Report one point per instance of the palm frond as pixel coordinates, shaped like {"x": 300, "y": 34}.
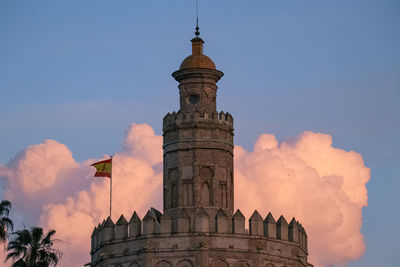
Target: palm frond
{"x": 37, "y": 234}
{"x": 5, "y": 207}
{"x": 6, "y": 224}
{"x": 33, "y": 248}
{"x": 19, "y": 263}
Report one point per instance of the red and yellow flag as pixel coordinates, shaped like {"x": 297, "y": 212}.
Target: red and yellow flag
{"x": 103, "y": 168}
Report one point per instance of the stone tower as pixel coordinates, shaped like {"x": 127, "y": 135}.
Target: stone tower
{"x": 198, "y": 142}
{"x": 198, "y": 226}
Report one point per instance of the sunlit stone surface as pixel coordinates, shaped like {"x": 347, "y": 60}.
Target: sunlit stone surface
{"x": 198, "y": 226}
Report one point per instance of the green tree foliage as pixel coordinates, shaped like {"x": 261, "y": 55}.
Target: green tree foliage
{"x": 31, "y": 248}
{"x": 6, "y": 225}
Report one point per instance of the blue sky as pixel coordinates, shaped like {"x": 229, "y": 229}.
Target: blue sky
{"x": 80, "y": 72}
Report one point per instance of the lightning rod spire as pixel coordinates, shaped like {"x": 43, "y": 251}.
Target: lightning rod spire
{"x": 197, "y": 33}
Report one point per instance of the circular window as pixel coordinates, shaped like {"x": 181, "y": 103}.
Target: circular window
{"x": 194, "y": 99}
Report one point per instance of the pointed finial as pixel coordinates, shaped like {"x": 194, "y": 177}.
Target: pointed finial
{"x": 197, "y": 33}
{"x": 197, "y": 28}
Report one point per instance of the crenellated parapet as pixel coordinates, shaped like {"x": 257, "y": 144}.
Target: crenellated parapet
{"x": 175, "y": 120}
{"x": 265, "y": 234}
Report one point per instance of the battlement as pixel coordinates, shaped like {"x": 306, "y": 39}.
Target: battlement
{"x": 180, "y": 118}
{"x": 154, "y": 225}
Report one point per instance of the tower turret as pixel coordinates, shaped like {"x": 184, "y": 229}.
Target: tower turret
{"x": 198, "y": 141}
{"x": 197, "y": 77}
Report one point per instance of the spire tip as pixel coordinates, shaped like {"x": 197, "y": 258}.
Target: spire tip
{"x": 197, "y": 32}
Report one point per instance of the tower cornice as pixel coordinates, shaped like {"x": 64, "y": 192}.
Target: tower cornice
{"x": 188, "y": 74}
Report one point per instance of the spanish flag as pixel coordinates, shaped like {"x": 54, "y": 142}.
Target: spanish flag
{"x": 103, "y": 168}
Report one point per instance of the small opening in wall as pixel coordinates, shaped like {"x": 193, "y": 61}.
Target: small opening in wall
{"x": 194, "y": 99}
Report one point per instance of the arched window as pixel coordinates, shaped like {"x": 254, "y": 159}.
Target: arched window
{"x": 206, "y": 173}
{"x": 241, "y": 264}
{"x": 219, "y": 263}
{"x": 205, "y": 194}
{"x": 187, "y": 194}
{"x": 184, "y": 263}
{"x": 163, "y": 264}
{"x": 222, "y": 188}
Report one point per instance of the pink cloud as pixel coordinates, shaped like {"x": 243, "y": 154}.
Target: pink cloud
{"x": 39, "y": 166}
{"x": 322, "y": 186}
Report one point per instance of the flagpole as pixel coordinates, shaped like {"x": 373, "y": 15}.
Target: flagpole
{"x": 104, "y": 169}
{"x": 111, "y": 187}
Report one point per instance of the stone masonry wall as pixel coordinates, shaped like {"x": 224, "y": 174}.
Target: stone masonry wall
{"x": 198, "y": 160}
{"x": 173, "y": 239}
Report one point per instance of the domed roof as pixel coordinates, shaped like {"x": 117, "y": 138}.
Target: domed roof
{"x": 197, "y": 59}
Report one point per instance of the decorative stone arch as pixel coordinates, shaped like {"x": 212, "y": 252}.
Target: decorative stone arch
{"x": 219, "y": 263}
{"x": 163, "y": 263}
{"x": 223, "y": 194}
{"x": 170, "y": 189}
{"x": 206, "y": 173}
{"x": 205, "y": 197}
{"x": 173, "y": 175}
{"x": 206, "y": 176}
{"x": 241, "y": 264}
{"x": 184, "y": 263}
{"x": 187, "y": 194}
